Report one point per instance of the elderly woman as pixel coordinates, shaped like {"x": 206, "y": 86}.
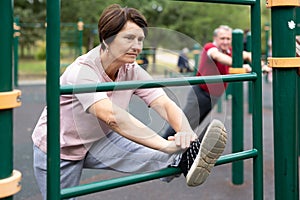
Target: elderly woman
{"x": 96, "y": 130}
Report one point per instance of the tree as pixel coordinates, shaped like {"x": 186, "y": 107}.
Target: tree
{"x": 196, "y": 20}
{"x": 30, "y": 13}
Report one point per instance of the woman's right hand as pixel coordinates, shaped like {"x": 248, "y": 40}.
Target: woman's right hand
{"x": 180, "y": 141}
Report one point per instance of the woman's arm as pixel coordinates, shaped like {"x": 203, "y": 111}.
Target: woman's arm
{"x": 122, "y": 122}
{"x": 168, "y": 110}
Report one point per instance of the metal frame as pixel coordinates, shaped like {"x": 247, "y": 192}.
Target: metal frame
{"x": 53, "y": 106}
{"x": 54, "y": 90}
{"x": 9, "y": 178}
{"x": 285, "y": 98}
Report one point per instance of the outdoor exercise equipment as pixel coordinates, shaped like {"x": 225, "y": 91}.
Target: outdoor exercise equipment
{"x": 285, "y": 103}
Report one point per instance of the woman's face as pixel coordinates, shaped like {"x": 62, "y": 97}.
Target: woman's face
{"x": 128, "y": 43}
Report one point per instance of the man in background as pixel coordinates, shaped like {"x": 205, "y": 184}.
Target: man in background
{"x": 216, "y": 59}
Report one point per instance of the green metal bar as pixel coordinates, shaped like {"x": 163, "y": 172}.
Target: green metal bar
{"x": 298, "y": 93}
{"x": 196, "y": 53}
{"x": 298, "y": 112}
{"x": 63, "y": 24}
{"x": 237, "y": 108}
{"x": 267, "y": 33}
{"x": 6, "y": 115}
{"x": 71, "y": 89}
{"x": 239, "y": 2}
{"x": 80, "y": 27}
{"x": 16, "y": 53}
{"x": 219, "y": 104}
{"x": 117, "y": 182}
{"x": 66, "y": 24}
{"x": 250, "y": 91}
{"x": 242, "y": 155}
{"x": 53, "y": 109}
{"x": 138, "y": 178}
{"x": 258, "y": 183}
{"x": 228, "y": 92}
{"x": 284, "y": 103}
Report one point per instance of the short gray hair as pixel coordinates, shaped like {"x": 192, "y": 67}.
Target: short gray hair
{"x": 222, "y": 27}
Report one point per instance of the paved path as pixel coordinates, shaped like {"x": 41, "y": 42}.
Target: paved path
{"x": 217, "y": 187}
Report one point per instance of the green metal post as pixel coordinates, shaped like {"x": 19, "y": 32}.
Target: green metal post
{"x": 250, "y": 91}
{"x": 196, "y": 53}
{"x": 267, "y": 33}
{"x": 237, "y": 107}
{"x": 298, "y": 112}
{"x": 298, "y": 95}
{"x": 80, "y": 27}
{"x": 52, "y": 89}
{"x": 228, "y": 91}
{"x": 219, "y": 104}
{"x": 16, "y": 48}
{"x": 6, "y": 115}
{"x": 257, "y": 121}
{"x": 284, "y": 104}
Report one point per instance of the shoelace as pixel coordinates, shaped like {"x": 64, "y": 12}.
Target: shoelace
{"x": 194, "y": 149}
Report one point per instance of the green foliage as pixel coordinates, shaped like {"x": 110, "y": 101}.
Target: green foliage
{"x": 33, "y": 14}
{"x": 41, "y": 51}
{"x": 195, "y": 20}
{"x": 198, "y": 20}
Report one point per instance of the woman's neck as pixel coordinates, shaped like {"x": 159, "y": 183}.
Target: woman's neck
{"x": 111, "y": 66}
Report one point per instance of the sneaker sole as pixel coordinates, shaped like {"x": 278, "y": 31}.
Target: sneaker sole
{"x": 211, "y": 148}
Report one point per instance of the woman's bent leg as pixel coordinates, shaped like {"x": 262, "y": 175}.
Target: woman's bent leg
{"x": 70, "y": 171}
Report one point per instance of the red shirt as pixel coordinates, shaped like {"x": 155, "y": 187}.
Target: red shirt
{"x": 208, "y": 67}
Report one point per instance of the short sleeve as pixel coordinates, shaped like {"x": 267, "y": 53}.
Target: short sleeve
{"x": 148, "y": 95}
{"x": 81, "y": 75}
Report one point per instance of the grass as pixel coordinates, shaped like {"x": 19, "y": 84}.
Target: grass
{"x": 35, "y": 69}
{"x": 27, "y": 66}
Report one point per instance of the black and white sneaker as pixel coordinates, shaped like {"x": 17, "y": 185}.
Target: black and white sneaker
{"x": 198, "y": 160}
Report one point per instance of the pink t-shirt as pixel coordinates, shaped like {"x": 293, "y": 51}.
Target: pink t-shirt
{"x": 80, "y": 129}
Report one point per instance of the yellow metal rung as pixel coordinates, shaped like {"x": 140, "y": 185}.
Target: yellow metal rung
{"x": 284, "y": 62}
{"x": 237, "y": 70}
{"x": 11, "y": 185}
{"x": 272, "y": 3}
{"x": 10, "y": 99}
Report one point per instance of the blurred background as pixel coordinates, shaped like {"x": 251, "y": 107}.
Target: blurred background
{"x": 186, "y": 24}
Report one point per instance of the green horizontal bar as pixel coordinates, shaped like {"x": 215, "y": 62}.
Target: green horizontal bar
{"x": 138, "y": 178}
{"x": 117, "y": 182}
{"x": 109, "y": 86}
{"x": 239, "y": 2}
{"x": 237, "y": 156}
